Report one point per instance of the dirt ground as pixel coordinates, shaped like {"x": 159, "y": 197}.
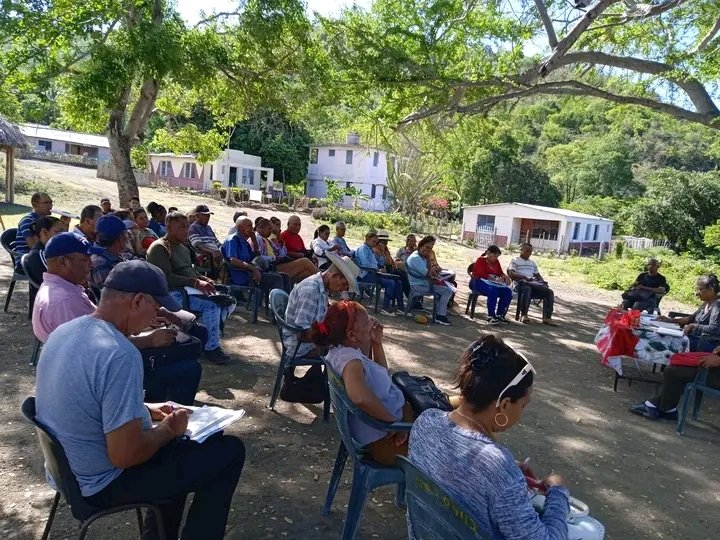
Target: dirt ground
{"x": 638, "y": 477}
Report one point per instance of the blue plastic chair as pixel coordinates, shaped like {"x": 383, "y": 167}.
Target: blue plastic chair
{"x": 432, "y": 513}
{"x": 367, "y": 474}
{"x": 415, "y": 295}
{"x": 278, "y": 305}
{"x": 696, "y": 390}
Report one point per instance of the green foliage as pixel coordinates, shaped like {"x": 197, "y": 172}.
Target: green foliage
{"x": 357, "y": 195}
{"x": 711, "y": 236}
{"x": 207, "y": 146}
{"x": 334, "y": 193}
{"x": 391, "y": 221}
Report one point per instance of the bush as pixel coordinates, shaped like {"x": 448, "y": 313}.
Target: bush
{"x": 619, "y": 248}
{"x": 320, "y": 214}
{"x": 391, "y": 221}
{"x": 216, "y": 185}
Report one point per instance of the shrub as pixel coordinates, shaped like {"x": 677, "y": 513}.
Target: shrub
{"x": 216, "y": 185}
{"x": 619, "y": 248}
{"x": 371, "y": 220}
{"x": 320, "y": 214}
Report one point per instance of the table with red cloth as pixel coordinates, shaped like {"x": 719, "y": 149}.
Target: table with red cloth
{"x": 622, "y": 335}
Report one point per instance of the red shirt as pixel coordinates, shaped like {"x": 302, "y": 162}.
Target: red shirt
{"x": 293, "y": 242}
{"x": 483, "y": 268}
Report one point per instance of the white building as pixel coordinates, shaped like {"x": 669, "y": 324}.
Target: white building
{"x": 232, "y": 168}
{"x": 350, "y": 165}
{"x": 45, "y": 139}
{"x": 545, "y": 228}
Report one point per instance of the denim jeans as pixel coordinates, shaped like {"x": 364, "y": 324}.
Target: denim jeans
{"x": 210, "y": 315}
{"x": 498, "y": 296}
{"x": 210, "y": 470}
{"x": 393, "y": 290}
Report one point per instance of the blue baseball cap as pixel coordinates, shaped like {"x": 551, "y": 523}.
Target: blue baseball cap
{"x": 110, "y": 227}
{"x": 66, "y": 243}
{"x": 138, "y": 276}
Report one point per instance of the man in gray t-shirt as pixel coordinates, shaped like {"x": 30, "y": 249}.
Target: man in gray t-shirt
{"x": 90, "y": 396}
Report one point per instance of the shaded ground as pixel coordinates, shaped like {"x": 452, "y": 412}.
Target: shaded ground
{"x": 639, "y": 478}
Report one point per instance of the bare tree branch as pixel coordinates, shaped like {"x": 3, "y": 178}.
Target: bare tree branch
{"x": 705, "y": 41}
{"x": 215, "y": 16}
{"x": 547, "y": 23}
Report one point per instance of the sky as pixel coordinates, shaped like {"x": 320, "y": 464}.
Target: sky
{"x": 190, "y": 9}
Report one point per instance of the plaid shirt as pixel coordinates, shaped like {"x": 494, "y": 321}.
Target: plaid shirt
{"x": 101, "y": 265}
{"x": 308, "y": 303}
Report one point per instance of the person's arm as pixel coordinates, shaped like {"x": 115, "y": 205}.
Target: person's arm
{"x": 231, "y": 251}
{"x": 480, "y": 269}
{"x": 502, "y": 275}
{"x": 516, "y": 518}
{"x": 160, "y": 337}
{"x": 160, "y": 257}
{"x": 417, "y": 266}
{"x": 361, "y": 395}
{"x": 512, "y": 272}
{"x": 365, "y": 257}
{"x": 130, "y": 445}
{"x": 712, "y": 327}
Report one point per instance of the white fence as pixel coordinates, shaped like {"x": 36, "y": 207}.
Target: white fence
{"x": 636, "y": 242}
{"x": 109, "y": 172}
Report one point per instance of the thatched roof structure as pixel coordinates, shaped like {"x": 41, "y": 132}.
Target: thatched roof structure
{"x": 10, "y": 139}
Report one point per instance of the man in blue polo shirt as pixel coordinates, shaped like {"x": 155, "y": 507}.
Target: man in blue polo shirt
{"x": 42, "y": 206}
{"x": 238, "y": 254}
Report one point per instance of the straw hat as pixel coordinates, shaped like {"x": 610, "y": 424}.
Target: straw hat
{"x": 382, "y": 234}
{"x": 349, "y": 269}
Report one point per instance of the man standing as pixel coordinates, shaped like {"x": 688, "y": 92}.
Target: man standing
{"x": 41, "y": 206}
{"x": 202, "y": 238}
{"x": 530, "y": 285}
{"x": 292, "y": 239}
{"x": 86, "y": 228}
{"x": 339, "y": 240}
{"x": 93, "y": 403}
{"x": 106, "y": 206}
{"x": 170, "y": 254}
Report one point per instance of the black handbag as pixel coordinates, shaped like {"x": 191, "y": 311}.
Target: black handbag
{"x": 421, "y": 392}
{"x": 156, "y": 357}
{"x": 310, "y": 388}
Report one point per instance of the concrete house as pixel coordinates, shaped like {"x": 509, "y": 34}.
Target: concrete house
{"x": 44, "y": 139}
{"x": 545, "y": 228}
{"x": 232, "y": 168}
{"x": 350, "y": 165}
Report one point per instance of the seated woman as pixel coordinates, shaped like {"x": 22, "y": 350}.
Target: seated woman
{"x": 320, "y": 246}
{"x": 420, "y": 273}
{"x": 271, "y": 245}
{"x": 143, "y": 236}
{"x": 488, "y": 279}
{"x": 366, "y": 259}
{"x": 459, "y": 450}
{"x": 158, "y": 213}
{"x": 703, "y": 326}
{"x": 44, "y": 229}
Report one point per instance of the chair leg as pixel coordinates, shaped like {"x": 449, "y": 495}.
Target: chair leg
{"x": 159, "y": 523}
{"x": 326, "y": 403}
{"x": 378, "y": 290}
{"x": 400, "y": 495}
{"x": 683, "y": 408}
{"x": 35, "y": 353}
{"x": 358, "y": 494}
{"x": 697, "y": 403}
{"x": 340, "y": 460}
{"x": 138, "y": 511}
{"x": 51, "y": 517}
{"x": 9, "y": 294}
{"x": 615, "y": 383}
{"x": 278, "y": 383}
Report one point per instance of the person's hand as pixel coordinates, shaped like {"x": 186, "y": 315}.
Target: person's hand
{"x": 710, "y": 361}
{"x": 716, "y": 350}
{"x": 401, "y": 438}
{"x": 256, "y": 275}
{"x": 506, "y": 280}
{"x": 205, "y": 287}
{"x": 376, "y": 331}
{"x": 553, "y": 479}
{"x": 524, "y": 466}
{"x": 334, "y": 248}
{"x": 688, "y": 328}
{"x": 217, "y": 256}
{"x": 158, "y": 411}
{"x": 177, "y": 422}
{"x": 159, "y": 322}
{"x": 162, "y": 337}
{"x": 169, "y": 317}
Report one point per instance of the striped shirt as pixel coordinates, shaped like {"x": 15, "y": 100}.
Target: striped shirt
{"x": 24, "y": 231}
{"x": 523, "y": 267}
{"x": 199, "y": 235}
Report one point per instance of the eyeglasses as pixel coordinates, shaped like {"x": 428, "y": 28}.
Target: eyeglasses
{"x": 519, "y": 377}
{"x": 45, "y": 202}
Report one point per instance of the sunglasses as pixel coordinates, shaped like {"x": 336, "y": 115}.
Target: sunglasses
{"x": 519, "y": 377}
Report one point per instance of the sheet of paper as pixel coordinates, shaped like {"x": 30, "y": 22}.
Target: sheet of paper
{"x": 666, "y": 325}
{"x": 674, "y": 332}
{"x": 207, "y": 420}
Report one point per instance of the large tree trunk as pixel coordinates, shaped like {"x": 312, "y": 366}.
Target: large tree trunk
{"x": 120, "y": 152}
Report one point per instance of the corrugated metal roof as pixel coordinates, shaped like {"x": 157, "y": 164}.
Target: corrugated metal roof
{"x": 73, "y": 137}
{"x": 559, "y": 211}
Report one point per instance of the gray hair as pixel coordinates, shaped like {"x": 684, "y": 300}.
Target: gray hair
{"x": 240, "y": 219}
{"x": 340, "y": 225}
{"x": 109, "y": 295}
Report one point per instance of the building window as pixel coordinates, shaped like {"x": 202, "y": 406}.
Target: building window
{"x": 348, "y": 157}
{"x": 588, "y": 231}
{"x": 596, "y": 233}
{"x": 576, "y": 232}
{"x": 222, "y": 170}
{"x": 211, "y": 172}
{"x": 188, "y": 170}
{"x": 384, "y": 195}
{"x": 313, "y": 155}
{"x": 165, "y": 168}
{"x": 46, "y": 145}
{"x": 348, "y": 185}
{"x": 485, "y": 221}
{"x": 372, "y": 191}
{"x": 331, "y": 153}
{"x": 376, "y": 158}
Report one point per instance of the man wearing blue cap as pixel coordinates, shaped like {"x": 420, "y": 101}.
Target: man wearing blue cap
{"x": 110, "y": 236}
{"x": 93, "y": 403}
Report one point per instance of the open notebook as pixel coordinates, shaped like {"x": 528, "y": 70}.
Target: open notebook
{"x": 206, "y": 420}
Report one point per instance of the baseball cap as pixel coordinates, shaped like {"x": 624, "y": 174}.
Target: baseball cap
{"x": 203, "y": 209}
{"x": 104, "y": 199}
{"x": 138, "y": 276}
{"x": 66, "y": 243}
{"x": 109, "y": 228}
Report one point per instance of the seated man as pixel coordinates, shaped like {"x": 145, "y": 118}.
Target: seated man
{"x": 111, "y": 239}
{"x": 43, "y": 229}
{"x": 664, "y": 403}
{"x": 647, "y": 290}
{"x": 170, "y": 254}
{"x": 202, "y": 238}
{"x": 106, "y": 206}
{"x": 308, "y": 303}
{"x": 293, "y": 241}
{"x": 366, "y": 258}
{"x": 61, "y": 298}
{"x": 41, "y": 206}
{"x": 93, "y": 403}
{"x": 270, "y": 244}
{"x": 339, "y": 240}
{"x": 86, "y": 228}
{"x": 529, "y": 285}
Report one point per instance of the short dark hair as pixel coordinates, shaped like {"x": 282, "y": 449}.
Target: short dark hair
{"x": 37, "y": 196}
{"x": 172, "y": 209}
{"x": 107, "y": 242}
{"x": 369, "y": 235}
{"x": 526, "y": 244}
{"x": 44, "y": 223}
{"x": 123, "y": 214}
{"x": 173, "y": 217}
{"x": 275, "y": 220}
{"x": 137, "y": 212}
{"x": 89, "y": 212}
{"x": 493, "y": 249}
{"x": 135, "y": 198}
{"x": 426, "y": 240}
{"x": 320, "y": 230}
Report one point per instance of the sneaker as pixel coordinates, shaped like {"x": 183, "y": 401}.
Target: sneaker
{"x": 526, "y": 319}
{"x": 503, "y": 319}
{"x": 388, "y": 312}
{"x": 493, "y": 320}
{"x": 217, "y": 356}
{"x": 653, "y": 413}
{"x": 442, "y": 319}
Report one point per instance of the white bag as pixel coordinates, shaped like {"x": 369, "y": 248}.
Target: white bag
{"x": 579, "y": 523}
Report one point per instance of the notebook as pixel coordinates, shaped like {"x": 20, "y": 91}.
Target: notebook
{"x": 207, "y": 420}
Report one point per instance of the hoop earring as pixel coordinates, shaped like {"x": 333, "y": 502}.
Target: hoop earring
{"x": 498, "y": 424}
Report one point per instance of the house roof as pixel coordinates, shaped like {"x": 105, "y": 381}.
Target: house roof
{"x": 10, "y": 135}
{"x": 46, "y": 132}
{"x": 549, "y": 210}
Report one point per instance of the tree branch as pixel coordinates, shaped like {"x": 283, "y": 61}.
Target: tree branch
{"x": 547, "y": 23}
{"x": 146, "y": 99}
{"x": 705, "y": 41}
{"x": 216, "y": 16}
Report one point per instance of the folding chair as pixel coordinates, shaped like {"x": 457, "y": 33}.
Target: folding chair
{"x": 278, "y": 306}
{"x": 6, "y": 239}
{"x": 57, "y": 465}
{"x": 432, "y": 513}
{"x": 367, "y": 474}
{"x": 472, "y": 296}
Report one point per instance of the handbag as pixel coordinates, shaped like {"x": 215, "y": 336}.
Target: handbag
{"x": 156, "y": 357}
{"x": 310, "y": 388}
{"x": 421, "y": 392}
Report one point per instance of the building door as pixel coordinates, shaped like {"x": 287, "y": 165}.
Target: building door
{"x": 232, "y": 181}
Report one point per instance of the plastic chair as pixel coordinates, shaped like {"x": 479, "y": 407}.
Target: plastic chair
{"x": 472, "y": 296}
{"x": 278, "y": 305}
{"x": 375, "y": 286}
{"x": 534, "y": 301}
{"x": 414, "y": 295}
{"x": 367, "y": 474}
{"x": 432, "y": 513}
{"x": 6, "y": 239}
{"x": 696, "y": 390}
{"x": 57, "y": 465}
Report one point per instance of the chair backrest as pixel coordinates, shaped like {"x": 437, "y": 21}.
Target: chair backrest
{"x": 57, "y": 465}
{"x": 7, "y": 238}
{"x": 432, "y": 513}
{"x": 278, "y": 304}
{"x": 23, "y": 263}
{"x": 343, "y": 409}
{"x": 470, "y": 268}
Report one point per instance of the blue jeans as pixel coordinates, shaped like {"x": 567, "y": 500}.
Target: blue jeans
{"x": 498, "y": 296}
{"x": 393, "y": 290}
{"x": 210, "y": 315}
{"x": 707, "y": 346}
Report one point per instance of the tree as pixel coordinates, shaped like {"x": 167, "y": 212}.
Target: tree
{"x": 463, "y": 57}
